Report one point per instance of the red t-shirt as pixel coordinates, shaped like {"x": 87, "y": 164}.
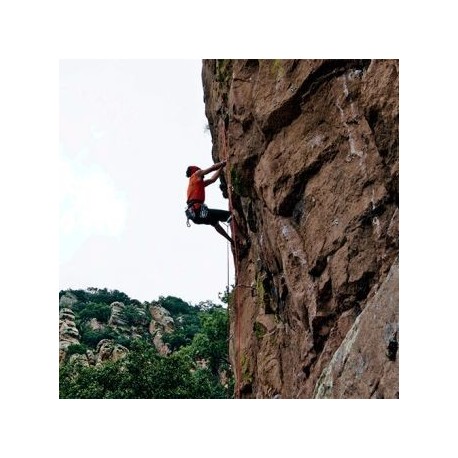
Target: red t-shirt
{"x": 196, "y": 188}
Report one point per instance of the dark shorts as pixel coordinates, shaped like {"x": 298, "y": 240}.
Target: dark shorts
{"x": 214, "y": 216}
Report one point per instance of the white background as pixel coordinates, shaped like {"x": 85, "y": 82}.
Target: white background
{"x": 34, "y": 36}
{"x": 128, "y": 131}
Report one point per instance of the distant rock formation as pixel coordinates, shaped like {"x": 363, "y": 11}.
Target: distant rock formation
{"x": 313, "y": 173}
{"x": 68, "y": 332}
{"x": 159, "y": 322}
{"x": 107, "y": 350}
{"x": 116, "y": 315}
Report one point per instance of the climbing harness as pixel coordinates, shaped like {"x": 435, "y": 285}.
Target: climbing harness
{"x": 190, "y": 214}
{"x": 203, "y": 211}
{"x": 190, "y": 211}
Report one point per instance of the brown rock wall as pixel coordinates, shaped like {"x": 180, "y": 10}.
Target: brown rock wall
{"x": 362, "y": 367}
{"x": 313, "y": 169}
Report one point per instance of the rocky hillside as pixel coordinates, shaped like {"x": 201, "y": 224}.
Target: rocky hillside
{"x": 312, "y": 177}
{"x": 111, "y": 346}
{"x": 103, "y": 328}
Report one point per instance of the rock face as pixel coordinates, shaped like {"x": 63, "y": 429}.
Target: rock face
{"x": 116, "y": 312}
{"x": 312, "y": 178}
{"x": 362, "y": 367}
{"x": 161, "y": 319}
{"x": 67, "y": 300}
{"x": 107, "y": 350}
{"x": 68, "y": 332}
{"x": 158, "y": 323}
{"x": 161, "y": 323}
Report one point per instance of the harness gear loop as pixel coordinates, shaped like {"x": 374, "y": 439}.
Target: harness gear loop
{"x": 190, "y": 214}
{"x": 191, "y": 210}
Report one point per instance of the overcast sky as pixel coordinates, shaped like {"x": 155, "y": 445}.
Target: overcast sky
{"x": 128, "y": 130}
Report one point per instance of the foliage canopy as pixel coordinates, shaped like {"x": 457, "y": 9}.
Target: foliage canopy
{"x": 194, "y": 369}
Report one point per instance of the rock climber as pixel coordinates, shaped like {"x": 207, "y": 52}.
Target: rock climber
{"x": 197, "y": 211}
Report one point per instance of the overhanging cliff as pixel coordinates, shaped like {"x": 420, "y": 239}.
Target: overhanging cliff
{"x": 312, "y": 175}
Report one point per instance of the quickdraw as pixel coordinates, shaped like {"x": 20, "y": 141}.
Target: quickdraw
{"x": 190, "y": 214}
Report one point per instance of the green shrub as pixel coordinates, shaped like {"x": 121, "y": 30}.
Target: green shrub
{"x": 76, "y": 349}
{"x": 143, "y": 374}
{"x": 123, "y": 340}
{"x": 174, "y": 305}
{"x": 259, "y": 330}
{"x": 201, "y": 332}
{"x": 238, "y": 184}
{"x": 277, "y": 68}
{"x": 133, "y": 316}
{"x": 91, "y": 337}
{"x": 99, "y": 311}
{"x": 223, "y": 70}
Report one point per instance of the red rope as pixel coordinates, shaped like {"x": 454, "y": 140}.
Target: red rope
{"x": 236, "y": 302}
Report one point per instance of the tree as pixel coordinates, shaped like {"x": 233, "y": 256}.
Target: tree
{"x": 174, "y": 305}
{"x": 91, "y": 337}
{"x": 199, "y": 351}
{"x": 101, "y": 312}
{"x": 186, "y": 327}
{"x": 143, "y": 374}
{"x": 133, "y": 316}
{"x": 212, "y": 342}
{"x": 77, "y": 349}
{"x": 100, "y": 382}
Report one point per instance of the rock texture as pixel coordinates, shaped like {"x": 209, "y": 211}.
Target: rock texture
{"x": 107, "y": 350}
{"x": 161, "y": 319}
{"x": 161, "y": 323}
{"x": 158, "y": 323}
{"x": 312, "y": 176}
{"x": 68, "y": 332}
{"x": 362, "y": 367}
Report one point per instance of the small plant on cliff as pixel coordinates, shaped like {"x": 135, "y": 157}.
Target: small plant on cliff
{"x": 260, "y": 290}
{"x": 247, "y": 377}
{"x": 259, "y": 330}
{"x": 223, "y": 70}
{"x": 226, "y": 297}
{"x": 277, "y": 68}
{"x": 240, "y": 188}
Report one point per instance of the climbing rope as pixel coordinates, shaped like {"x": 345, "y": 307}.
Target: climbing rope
{"x": 227, "y": 261}
{"x": 234, "y": 233}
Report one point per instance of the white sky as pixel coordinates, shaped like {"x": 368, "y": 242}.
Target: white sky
{"x": 128, "y": 130}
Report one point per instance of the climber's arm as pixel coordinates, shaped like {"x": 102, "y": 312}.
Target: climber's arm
{"x": 214, "y": 177}
{"x": 212, "y": 168}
